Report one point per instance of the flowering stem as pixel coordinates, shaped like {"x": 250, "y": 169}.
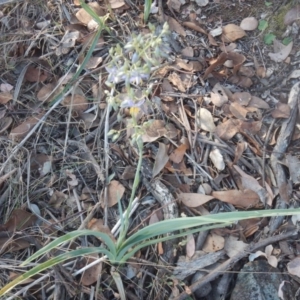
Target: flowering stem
{"x": 125, "y": 227}
{"x": 106, "y": 149}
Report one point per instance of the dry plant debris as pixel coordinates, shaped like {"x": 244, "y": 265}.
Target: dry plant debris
{"x": 219, "y": 120}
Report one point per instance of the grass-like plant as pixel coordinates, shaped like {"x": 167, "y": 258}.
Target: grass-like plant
{"x": 147, "y": 9}
{"x": 120, "y": 252}
{"x": 132, "y": 65}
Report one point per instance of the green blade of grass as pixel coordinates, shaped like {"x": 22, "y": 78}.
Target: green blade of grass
{"x": 123, "y": 255}
{"x": 147, "y": 8}
{"x": 50, "y": 263}
{"x": 70, "y": 236}
{"x": 167, "y": 226}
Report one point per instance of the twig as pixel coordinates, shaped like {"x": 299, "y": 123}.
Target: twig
{"x": 106, "y": 152}
{"x": 264, "y": 153}
{"x": 279, "y": 150}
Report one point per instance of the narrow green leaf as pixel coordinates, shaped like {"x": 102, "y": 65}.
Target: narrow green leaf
{"x": 122, "y": 256}
{"x": 119, "y": 282}
{"x": 52, "y": 262}
{"x": 167, "y": 226}
{"x": 147, "y": 9}
{"x": 70, "y": 236}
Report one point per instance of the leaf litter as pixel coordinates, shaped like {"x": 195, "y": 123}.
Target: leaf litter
{"x": 219, "y": 82}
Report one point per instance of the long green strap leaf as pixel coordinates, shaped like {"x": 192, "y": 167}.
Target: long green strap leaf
{"x": 123, "y": 255}
{"x": 167, "y": 226}
{"x": 50, "y": 263}
{"x": 71, "y": 236}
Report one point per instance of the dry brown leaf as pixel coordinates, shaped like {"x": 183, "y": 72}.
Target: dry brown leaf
{"x": 237, "y": 60}
{"x": 116, "y": 3}
{"x": 232, "y": 32}
{"x": 213, "y": 243}
{"x": 218, "y": 99}
{"x": 247, "y": 71}
{"x": 190, "y": 246}
{"x": 68, "y": 41}
{"x": 115, "y": 191}
{"x": 233, "y": 246}
{"x": 6, "y": 87}
{"x": 218, "y": 95}
{"x": 282, "y": 110}
{"x": 98, "y": 225}
{"x": 272, "y": 260}
{"x": 174, "y": 4}
{"x": 5, "y": 123}
{"x": 78, "y": 104}
{"x": 217, "y": 159}
{"x": 177, "y": 155}
{"x": 219, "y": 61}
{"x": 211, "y": 40}
{"x": 156, "y": 129}
{"x": 282, "y": 53}
{"x": 242, "y": 199}
{"x": 45, "y": 92}
{"x": 244, "y": 82}
{"x": 8, "y": 244}
{"x": 41, "y": 162}
{"x": 194, "y": 26}
{"x": 205, "y": 120}
{"x": 129, "y": 173}
{"x": 19, "y": 220}
{"x": 250, "y": 226}
{"x": 294, "y": 168}
{"x": 161, "y": 159}
{"x": 238, "y": 111}
{"x": 193, "y": 199}
{"x": 202, "y": 3}
{"x": 239, "y": 150}
{"x": 228, "y": 129}
{"x": 154, "y": 218}
{"x": 91, "y": 274}
{"x": 175, "y": 79}
{"x": 251, "y": 183}
{"x": 5, "y": 97}
{"x": 90, "y": 120}
{"x": 181, "y": 64}
{"x": 242, "y": 98}
{"x": 167, "y": 88}
{"x": 228, "y": 48}
{"x": 73, "y": 181}
{"x": 57, "y": 199}
{"x": 258, "y": 103}
{"x": 21, "y": 130}
{"x": 175, "y": 26}
{"x": 292, "y": 15}
{"x": 249, "y": 24}
{"x": 188, "y": 51}
{"x": 84, "y": 17}
{"x": 35, "y": 74}
{"x": 93, "y": 62}
{"x": 294, "y": 266}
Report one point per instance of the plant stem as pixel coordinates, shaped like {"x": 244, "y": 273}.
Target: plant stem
{"x": 125, "y": 226}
